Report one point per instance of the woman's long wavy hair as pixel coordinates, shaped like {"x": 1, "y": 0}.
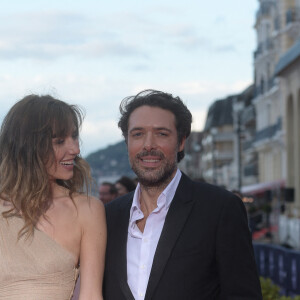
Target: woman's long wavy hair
{"x": 25, "y": 151}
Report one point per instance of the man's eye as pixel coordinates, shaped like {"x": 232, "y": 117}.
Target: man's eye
{"x": 137, "y": 134}
{"x": 162, "y": 133}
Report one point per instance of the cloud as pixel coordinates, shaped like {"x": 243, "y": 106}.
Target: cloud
{"x": 43, "y": 27}
{"x": 51, "y": 35}
{"x": 194, "y": 42}
{"x": 95, "y": 54}
{"x": 209, "y": 87}
{"x": 225, "y": 48}
{"x": 220, "y": 20}
{"x": 55, "y": 34}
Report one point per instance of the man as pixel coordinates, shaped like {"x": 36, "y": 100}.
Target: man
{"x": 107, "y": 192}
{"x": 173, "y": 238}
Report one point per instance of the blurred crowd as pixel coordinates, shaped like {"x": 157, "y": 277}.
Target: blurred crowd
{"x": 108, "y": 191}
{"x": 257, "y": 214}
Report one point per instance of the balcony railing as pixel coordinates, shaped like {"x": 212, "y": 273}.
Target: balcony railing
{"x": 258, "y": 50}
{"x": 268, "y": 132}
{"x": 247, "y": 145}
{"x": 223, "y": 137}
{"x": 271, "y": 83}
{"x": 291, "y": 15}
{"x": 269, "y": 44}
{"x": 251, "y": 170}
{"x": 264, "y": 10}
{"x": 263, "y": 87}
{"x": 277, "y": 23}
{"x": 248, "y": 114}
{"x": 223, "y": 155}
{"x": 264, "y": 47}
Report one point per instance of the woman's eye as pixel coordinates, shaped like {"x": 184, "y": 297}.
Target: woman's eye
{"x": 58, "y": 141}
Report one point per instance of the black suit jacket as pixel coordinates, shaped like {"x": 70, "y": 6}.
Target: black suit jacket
{"x": 204, "y": 251}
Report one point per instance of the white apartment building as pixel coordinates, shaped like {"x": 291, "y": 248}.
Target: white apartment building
{"x": 276, "y": 33}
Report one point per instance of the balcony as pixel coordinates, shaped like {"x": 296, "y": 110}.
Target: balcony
{"x": 277, "y": 24}
{"x": 264, "y": 86}
{"x": 292, "y": 19}
{"x": 268, "y": 132}
{"x": 223, "y": 137}
{"x": 269, "y": 44}
{"x": 291, "y": 15}
{"x": 264, "y": 47}
{"x": 247, "y": 145}
{"x": 271, "y": 83}
{"x": 258, "y": 51}
{"x": 264, "y": 10}
{"x": 251, "y": 170}
{"x": 248, "y": 115}
{"x": 223, "y": 155}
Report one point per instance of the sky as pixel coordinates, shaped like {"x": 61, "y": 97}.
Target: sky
{"x": 94, "y": 53}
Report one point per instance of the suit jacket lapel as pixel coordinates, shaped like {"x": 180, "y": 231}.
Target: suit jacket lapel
{"x": 177, "y": 215}
{"x": 120, "y": 237}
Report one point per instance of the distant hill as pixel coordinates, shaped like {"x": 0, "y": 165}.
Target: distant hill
{"x": 110, "y": 162}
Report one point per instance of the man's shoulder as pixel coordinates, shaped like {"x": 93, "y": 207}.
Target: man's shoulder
{"x": 186, "y": 181}
{"x": 206, "y": 191}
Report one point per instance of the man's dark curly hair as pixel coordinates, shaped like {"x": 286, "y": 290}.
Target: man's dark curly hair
{"x": 183, "y": 117}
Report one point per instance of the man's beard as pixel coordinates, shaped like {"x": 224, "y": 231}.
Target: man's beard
{"x": 154, "y": 177}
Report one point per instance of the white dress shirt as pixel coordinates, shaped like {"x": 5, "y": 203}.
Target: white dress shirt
{"x": 141, "y": 246}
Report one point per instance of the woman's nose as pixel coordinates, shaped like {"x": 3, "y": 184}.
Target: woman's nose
{"x": 74, "y": 146}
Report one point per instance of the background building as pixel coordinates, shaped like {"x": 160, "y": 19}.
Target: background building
{"x": 191, "y": 164}
{"x": 218, "y": 143}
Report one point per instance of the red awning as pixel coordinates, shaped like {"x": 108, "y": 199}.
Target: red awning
{"x": 262, "y": 187}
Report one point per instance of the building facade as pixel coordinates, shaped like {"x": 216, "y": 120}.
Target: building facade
{"x": 218, "y": 144}
{"x": 277, "y": 29}
{"x": 191, "y": 164}
{"x": 288, "y": 70}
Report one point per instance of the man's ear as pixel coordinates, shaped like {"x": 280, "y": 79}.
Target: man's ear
{"x": 181, "y": 145}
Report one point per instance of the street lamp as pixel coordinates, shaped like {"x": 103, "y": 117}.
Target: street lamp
{"x": 239, "y": 156}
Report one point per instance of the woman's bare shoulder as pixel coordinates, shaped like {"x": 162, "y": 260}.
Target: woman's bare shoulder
{"x": 88, "y": 205}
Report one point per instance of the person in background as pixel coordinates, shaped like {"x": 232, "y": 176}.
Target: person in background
{"x": 173, "y": 238}
{"x": 49, "y": 224}
{"x": 107, "y": 192}
{"x": 124, "y": 185}
{"x": 237, "y": 193}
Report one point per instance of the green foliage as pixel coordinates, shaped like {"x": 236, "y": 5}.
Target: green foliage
{"x": 270, "y": 291}
{"x": 267, "y": 208}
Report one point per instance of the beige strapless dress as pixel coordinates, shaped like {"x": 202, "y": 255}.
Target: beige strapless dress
{"x": 34, "y": 269}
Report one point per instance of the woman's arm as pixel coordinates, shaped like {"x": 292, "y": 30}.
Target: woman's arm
{"x": 92, "y": 249}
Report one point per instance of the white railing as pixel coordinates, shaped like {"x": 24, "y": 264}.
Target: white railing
{"x": 289, "y": 231}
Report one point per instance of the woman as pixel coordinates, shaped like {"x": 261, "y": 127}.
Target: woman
{"x": 47, "y": 224}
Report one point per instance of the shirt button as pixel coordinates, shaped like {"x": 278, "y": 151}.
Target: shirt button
{"x": 145, "y": 240}
{"x": 142, "y": 267}
{"x": 141, "y": 294}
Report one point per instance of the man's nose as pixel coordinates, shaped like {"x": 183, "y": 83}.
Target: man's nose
{"x": 149, "y": 142}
